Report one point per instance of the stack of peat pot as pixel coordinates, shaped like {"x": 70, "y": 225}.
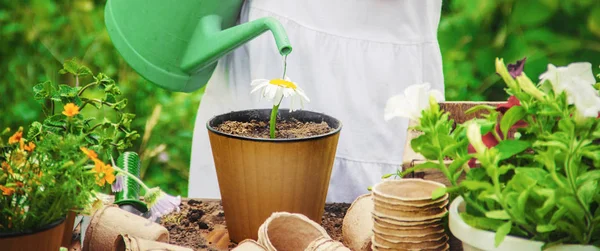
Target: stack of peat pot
{"x": 406, "y": 218}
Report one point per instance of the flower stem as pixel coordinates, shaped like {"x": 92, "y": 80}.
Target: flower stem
{"x": 273, "y": 120}
{"x": 146, "y": 188}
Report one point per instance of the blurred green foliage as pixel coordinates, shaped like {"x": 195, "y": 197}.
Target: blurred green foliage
{"x": 36, "y": 36}
{"x": 473, "y": 32}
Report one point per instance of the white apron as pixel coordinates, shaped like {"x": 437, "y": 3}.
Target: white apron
{"x": 349, "y": 56}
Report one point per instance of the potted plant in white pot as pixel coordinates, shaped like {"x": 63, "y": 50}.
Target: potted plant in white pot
{"x": 271, "y": 160}
{"x": 537, "y": 188}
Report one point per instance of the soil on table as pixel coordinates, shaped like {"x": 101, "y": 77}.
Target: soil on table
{"x": 198, "y": 223}
{"x": 286, "y": 129}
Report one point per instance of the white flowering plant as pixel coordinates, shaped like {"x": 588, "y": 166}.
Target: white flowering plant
{"x": 275, "y": 90}
{"x": 531, "y": 165}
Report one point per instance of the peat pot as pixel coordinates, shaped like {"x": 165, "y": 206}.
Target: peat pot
{"x": 46, "y": 238}
{"x": 474, "y": 239}
{"x": 261, "y": 176}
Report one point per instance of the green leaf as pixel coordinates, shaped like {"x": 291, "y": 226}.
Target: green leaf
{"x": 509, "y": 148}
{"x": 481, "y": 222}
{"x": 453, "y": 148}
{"x": 536, "y": 174}
{"x": 423, "y": 146}
{"x": 387, "y": 175}
{"x": 110, "y": 98}
{"x": 480, "y": 107}
{"x": 511, "y": 117}
{"x": 56, "y": 123}
{"x": 426, "y": 165}
{"x": 34, "y": 130}
{"x": 587, "y": 191}
{"x": 593, "y": 175}
{"x": 571, "y": 204}
{"x": 554, "y": 144}
{"x": 545, "y": 228}
{"x": 438, "y": 193}
{"x": 458, "y": 163}
{"x": 66, "y": 91}
{"x": 474, "y": 185}
{"x": 92, "y": 139}
{"x": 43, "y": 91}
{"x": 69, "y": 66}
{"x": 498, "y": 214}
{"x": 520, "y": 211}
{"x": 501, "y": 233}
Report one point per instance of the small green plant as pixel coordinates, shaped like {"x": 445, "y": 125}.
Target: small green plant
{"x": 532, "y": 164}
{"x": 58, "y": 166}
{"x": 64, "y": 106}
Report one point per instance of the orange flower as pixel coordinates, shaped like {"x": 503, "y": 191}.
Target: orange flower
{"x": 90, "y": 153}
{"x": 28, "y": 147}
{"x": 70, "y": 110}
{"x": 104, "y": 173}
{"x": 19, "y": 184}
{"x": 16, "y": 137}
{"x": 6, "y": 168}
{"x": 7, "y": 190}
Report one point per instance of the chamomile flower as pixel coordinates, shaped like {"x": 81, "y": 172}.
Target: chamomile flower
{"x": 276, "y": 89}
{"x": 160, "y": 203}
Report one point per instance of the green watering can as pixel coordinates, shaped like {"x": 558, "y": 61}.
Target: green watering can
{"x": 175, "y": 44}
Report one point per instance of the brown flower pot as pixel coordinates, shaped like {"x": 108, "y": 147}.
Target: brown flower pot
{"x": 286, "y": 231}
{"x": 47, "y": 238}
{"x": 109, "y": 222}
{"x": 434, "y": 244}
{"x": 131, "y": 243}
{"x": 258, "y": 177}
{"x": 326, "y": 244}
{"x": 249, "y": 245}
{"x": 67, "y": 238}
{"x": 357, "y": 227}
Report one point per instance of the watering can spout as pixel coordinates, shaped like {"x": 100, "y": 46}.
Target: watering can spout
{"x": 209, "y": 42}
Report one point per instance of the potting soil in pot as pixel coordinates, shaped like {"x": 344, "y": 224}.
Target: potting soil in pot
{"x": 284, "y": 129}
{"x": 200, "y": 222}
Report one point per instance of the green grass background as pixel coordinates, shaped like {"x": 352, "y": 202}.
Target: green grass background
{"x": 36, "y": 36}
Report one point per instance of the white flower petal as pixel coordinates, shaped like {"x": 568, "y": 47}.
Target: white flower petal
{"x": 585, "y": 98}
{"x": 259, "y": 81}
{"x": 271, "y": 92}
{"x": 474, "y": 136}
{"x": 438, "y": 95}
{"x": 397, "y": 106}
{"x": 302, "y": 94}
{"x": 278, "y": 96}
{"x": 582, "y": 70}
{"x": 258, "y": 87}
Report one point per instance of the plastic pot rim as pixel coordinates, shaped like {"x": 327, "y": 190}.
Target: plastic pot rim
{"x": 210, "y": 125}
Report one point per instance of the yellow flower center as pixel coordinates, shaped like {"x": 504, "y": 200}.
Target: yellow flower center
{"x": 283, "y": 83}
